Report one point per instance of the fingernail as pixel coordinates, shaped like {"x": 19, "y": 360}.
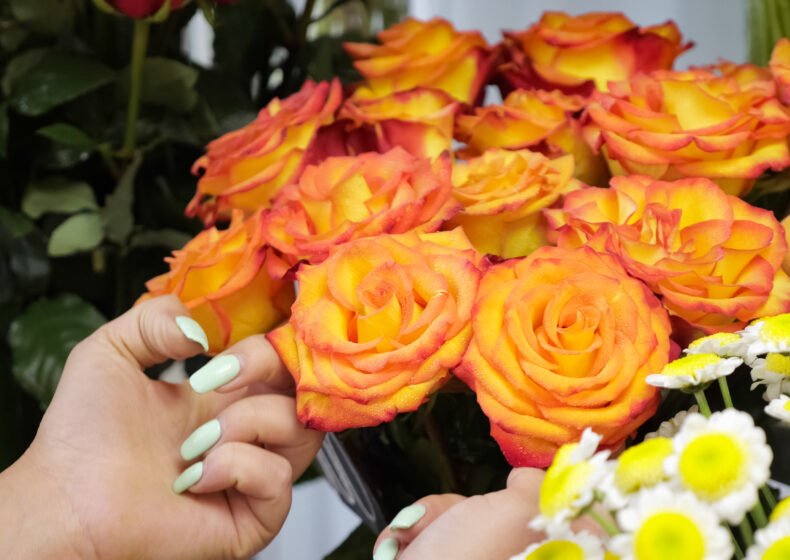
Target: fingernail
{"x": 200, "y": 440}
{"x": 193, "y": 331}
{"x": 188, "y": 478}
{"x": 408, "y": 516}
{"x": 387, "y": 550}
{"x": 215, "y": 374}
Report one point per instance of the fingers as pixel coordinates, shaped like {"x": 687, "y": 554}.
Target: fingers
{"x": 250, "y": 361}
{"x": 412, "y": 520}
{"x": 150, "y": 333}
{"x": 269, "y": 420}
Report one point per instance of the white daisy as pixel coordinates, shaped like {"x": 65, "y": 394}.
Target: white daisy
{"x": 723, "y": 460}
{"x": 664, "y": 523}
{"x": 779, "y": 408}
{"x": 638, "y": 467}
{"x": 771, "y": 334}
{"x": 772, "y": 542}
{"x": 693, "y": 370}
{"x": 722, "y": 344}
{"x": 570, "y": 482}
{"x": 669, "y": 428}
{"x": 564, "y": 545}
{"x": 773, "y": 371}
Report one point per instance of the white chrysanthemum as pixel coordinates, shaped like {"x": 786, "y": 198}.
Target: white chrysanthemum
{"x": 772, "y": 542}
{"x": 668, "y": 428}
{"x": 771, "y": 334}
{"x": 724, "y": 344}
{"x": 570, "y": 482}
{"x": 693, "y": 370}
{"x": 723, "y": 460}
{"x": 779, "y": 408}
{"x": 664, "y": 523}
{"x": 773, "y": 371}
{"x": 640, "y": 466}
{"x": 564, "y": 545}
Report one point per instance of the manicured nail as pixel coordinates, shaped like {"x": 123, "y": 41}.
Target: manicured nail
{"x": 408, "y": 516}
{"x": 387, "y": 550}
{"x": 200, "y": 440}
{"x": 188, "y": 478}
{"x": 192, "y": 330}
{"x": 215, "y": 374}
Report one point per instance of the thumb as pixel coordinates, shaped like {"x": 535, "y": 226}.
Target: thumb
{"x": 150, "y": 333}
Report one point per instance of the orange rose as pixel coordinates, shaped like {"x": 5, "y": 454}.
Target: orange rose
{"x": 780, "y": 68}
{"x": 538, "y": 120}
{"x": 714, "y": 259}
{"x": 245, "y": 168}
{"x": 345, "y": 198}
{"x": 503, "y": 193}
{"x": 377, "y": 326}
{"x": 424, "y": 53}
{"x": 222, "y": 277}
{"x": 419, "y": 120}
{"x": 576, "y": 54}
{"x": 691, "y": 124}
{"x": 562, "y": 340}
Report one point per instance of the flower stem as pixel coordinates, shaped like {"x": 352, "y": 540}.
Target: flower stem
{"x": 736, "y": 545}
{"x": 725, "y": 392}
{"x": 746, "y": 532}
{"x": 139, "y": 47}
{"x": 699, "y": 394}
{"x": 770, "y": 499}
{"x": 610, "y": 528}
{"x": 758, "y": 515}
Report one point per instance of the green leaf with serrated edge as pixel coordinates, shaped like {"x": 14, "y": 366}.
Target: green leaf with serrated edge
{"x": 57, "y": 195}
{"x": 68, "y": 135}
{"x": 78, "y": 233}
{"x": 168, "y": 83}
{"x": 117, "y": 214}
{"x": 16, "y": 224}
{"x": 57, "y": 79}
{"x": 51, "y": 17}
{"x": 167, "y": 238}
{"x": 42, "y": 337}
{"x": 19, "y": 65}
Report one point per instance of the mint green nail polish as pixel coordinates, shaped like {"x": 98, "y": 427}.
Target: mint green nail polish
{"x": 215, "y": 374}
{"x": 192, "y": 330}
{"x": 200, "y": 440}
{"x": 188, "y": 478}
{"x": 387, "y": 550}
{"x": 408, "y": 516}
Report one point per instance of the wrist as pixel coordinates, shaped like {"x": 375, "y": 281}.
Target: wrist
{"x": 35, "y": 519}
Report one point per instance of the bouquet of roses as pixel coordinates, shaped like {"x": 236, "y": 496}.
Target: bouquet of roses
{"x": 584, "y": 230}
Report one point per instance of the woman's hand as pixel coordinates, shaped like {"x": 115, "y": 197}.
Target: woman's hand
{"x": 98, "y": 480}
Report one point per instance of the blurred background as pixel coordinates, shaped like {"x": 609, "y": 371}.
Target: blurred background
{"x": 85, "y": 221}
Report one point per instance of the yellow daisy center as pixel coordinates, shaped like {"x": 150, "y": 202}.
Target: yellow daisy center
{"x": 713, "y": 465}
{"x": 669, "y": 535}
{"x": 778, "y": 363}
{"x": 782, "y": 509}
{"x": 776, "y": 329}
{"x": 689, "y": 365}
{"x": 780, "y": 550}
{"x": 722, "y": 338}
{"x": 787, "y": 406}
{"x": 557, "y": 550}
{"x": 643, "y": 464}
{"x": 564, "y": 482}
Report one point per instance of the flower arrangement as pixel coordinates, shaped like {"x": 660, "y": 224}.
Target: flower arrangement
{"x": 544, "y": 270}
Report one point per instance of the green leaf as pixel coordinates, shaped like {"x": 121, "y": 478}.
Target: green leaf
{"x": 80, "y": 232}
{"x": 57, "y": 195}
{"x": 117, "y": 214}
{"x": 42, "y": 337}
{"x": 56, "y": 79}
{"x": 169, "y": 83}
{"x": 19, "y": 65}
{"x": 68, "y": 135}
{"x": 169, "y": 238}
{"x": 16, "y": 224}
{"x": 3, "y": 130}
{"x": 357, "y": 546}
{"x": 51, "y": 17}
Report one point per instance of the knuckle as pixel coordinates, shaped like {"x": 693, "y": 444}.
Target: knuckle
{"x": 281, "y": 473}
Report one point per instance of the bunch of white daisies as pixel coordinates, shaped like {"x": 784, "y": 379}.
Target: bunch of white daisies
{"x": 695, "y": 489}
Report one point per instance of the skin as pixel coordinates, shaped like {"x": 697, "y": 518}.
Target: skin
{"x": 97, "y": 480}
